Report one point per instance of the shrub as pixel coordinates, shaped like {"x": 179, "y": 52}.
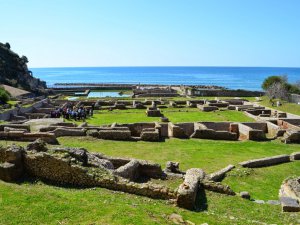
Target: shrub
{"x": 4, "y": 95}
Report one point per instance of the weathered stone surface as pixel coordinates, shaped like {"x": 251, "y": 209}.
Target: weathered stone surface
{"x": 217, "y": 187}
{"x": 187, "y": 191}
{"x": 268, "y": 161}
{"x": 176, "y": 219}
{"x": 206, "y": 108}
{"x": 295, "y": 156}
{"x": 291, "y": 136}
{"x": 10, "y": 129}
{"x": 15, "y": 126}
{"x": 152, "y": 170}
{"x": 245, "y": 195}
{"x": 214, "y": 135}
{"x": 150, "y": 135}
{"x": 173, "y": 167}
{"x": 124, "y": 135}
{"x": 273, "y": 202}
{"x": 61, "y": 132}
{"x": 39, "y": 145}
{"x": 219, "y": 175}
{"x": 259, "y": 201}
{"x": 95, "y": 161}
{"x": 289, "y": 204}
{"x": 153, "y": 113}
{"x": 290, "y": 188}
{"x": 11, "y": 167}
{"x": 129, "y": 170}
{"x": 93, "y": 133}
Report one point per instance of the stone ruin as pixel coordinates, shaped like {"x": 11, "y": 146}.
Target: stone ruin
{"x": 78, "y": 167}
{"x": 155, "y": 131}
{"x": 289, "y": 195}
{"x": 153, "y": 111}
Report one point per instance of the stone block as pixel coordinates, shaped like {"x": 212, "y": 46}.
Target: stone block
{"x": 268, "y": 161}
{"x": 289, "y": 204}
{"x": 187, "y": 191}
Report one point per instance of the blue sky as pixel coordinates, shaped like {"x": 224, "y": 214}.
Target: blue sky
{"x": 56, "y": 33}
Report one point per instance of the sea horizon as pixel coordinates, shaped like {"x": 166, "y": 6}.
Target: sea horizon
{"x": 232, "y": 77}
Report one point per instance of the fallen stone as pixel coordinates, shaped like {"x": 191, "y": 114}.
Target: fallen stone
{"x": 245, "y": 195}
{"x": 273, "y": 202}
{"x": 219, "y": 175}
{"x": 295, "y": 156}
{"x": 187, "y": 191}
{"x": 268, "y": 161}
{"x": 259, "y": 201}
{"x": 39, "y": 145}
{"x": 176, "y": 219}
{"x": 289, "y": 204}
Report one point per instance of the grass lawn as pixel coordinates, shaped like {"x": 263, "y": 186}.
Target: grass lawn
{"x": 175, "y": 115}
{"x": 286, "y": 106}
{"x": 38, "y": 203}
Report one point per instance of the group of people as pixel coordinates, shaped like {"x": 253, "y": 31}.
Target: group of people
{"x": 72, "y": 112}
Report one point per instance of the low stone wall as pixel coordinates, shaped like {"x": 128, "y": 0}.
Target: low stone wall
{"x": 22, "y": 136}
{"x": 217, "y": 126}
{"x": 61, "y": 132}
{"x": 257, "y": 112}
{"x": 293, "y": 124}
{"x": 187, "y": 191}
{"x": 250, "y": 133}
{"x": 206, "y": 108}
{"x": 150, "y": 134}
{"x": 274, "y": 130}
{"x": 15, "y": 126}
{"x": 176, "y": 131}
{"x": 268, "y": 161}
{"x": 214, "y": 135}
{"x": 291, "y": 136}
{"x": 219, "y": 104}
{"x": 124, "y": 135}
{"x": 14, "y": 112}
{"x": 188, "y": 128}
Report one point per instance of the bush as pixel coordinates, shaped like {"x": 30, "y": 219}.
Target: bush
{"x": 4, "y": 95}
{"x": 269, "y": 81}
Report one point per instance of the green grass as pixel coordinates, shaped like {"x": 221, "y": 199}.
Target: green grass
{"x": 218, "y": 116}
{"x": 207, "y": 154}
{"x": 175, "y": 115}
{"x": 286, "y": 106}
{"x": 38, "y": 203}
{"x": 262, "y": 183}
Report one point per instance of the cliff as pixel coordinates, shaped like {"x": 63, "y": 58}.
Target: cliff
{"x": 14, "y": 71}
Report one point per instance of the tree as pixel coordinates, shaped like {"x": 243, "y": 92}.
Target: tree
{"x": 277, "y": 90}
{"x": 7, "y": 45}
{"x": 4, "y": 95}
{"x": 269, "y": 81}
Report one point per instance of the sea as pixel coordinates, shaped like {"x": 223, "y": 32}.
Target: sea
{"x": 248, "y": 78}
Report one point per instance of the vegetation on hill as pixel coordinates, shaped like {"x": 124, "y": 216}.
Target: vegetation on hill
{"x": 4, "y": 95}
{"x": 14, "y": 71}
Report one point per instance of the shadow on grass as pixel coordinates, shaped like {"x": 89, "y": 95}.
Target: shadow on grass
{"x": 201, "y": 200}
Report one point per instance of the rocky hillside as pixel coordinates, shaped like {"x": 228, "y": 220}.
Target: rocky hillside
{"x": 14, "y": 71}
